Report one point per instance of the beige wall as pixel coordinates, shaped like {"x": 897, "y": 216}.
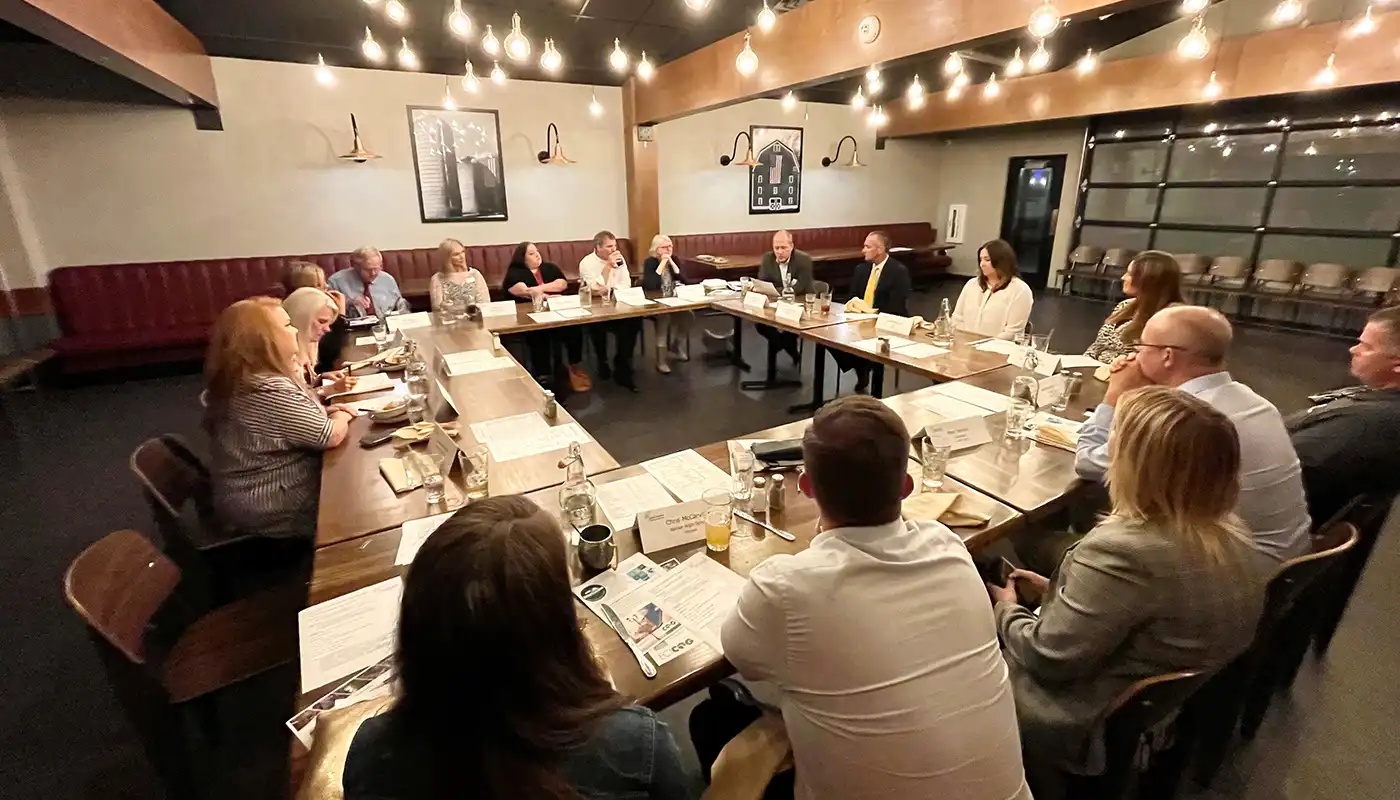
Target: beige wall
{"x": 699, "y": 196}
{"x": 111, "y": 183}
{"x": 973, "y": 173}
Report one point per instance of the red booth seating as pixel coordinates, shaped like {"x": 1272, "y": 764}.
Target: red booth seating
{"x": 121, "y": 315}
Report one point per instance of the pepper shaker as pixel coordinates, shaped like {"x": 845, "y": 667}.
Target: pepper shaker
{"x": 777, "y": 500}
{"x": 551, "y": 406}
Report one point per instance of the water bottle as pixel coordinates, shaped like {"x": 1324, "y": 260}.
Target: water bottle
{"x": 943, "y": 326}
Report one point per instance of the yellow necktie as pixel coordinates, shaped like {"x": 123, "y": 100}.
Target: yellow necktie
{"x": 870, "y": 285}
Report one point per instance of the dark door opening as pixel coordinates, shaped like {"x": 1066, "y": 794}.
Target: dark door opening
{"x": 1032, "y": 207}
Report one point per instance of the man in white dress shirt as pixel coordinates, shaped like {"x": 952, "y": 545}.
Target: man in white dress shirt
{"x": 878, "y": 635}
{"x": 605, "y": 270}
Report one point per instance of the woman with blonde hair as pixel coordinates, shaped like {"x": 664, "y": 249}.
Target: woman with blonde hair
{"x": 299, "y": 274}
{"x": 1152, "y": 282}
{"x": 455, "y": 285}
{"x": 1167, "y": 582}
{"x": 266, "y": 427}
{"x": 313, "y": 313}
{"x": 660, "y": 273}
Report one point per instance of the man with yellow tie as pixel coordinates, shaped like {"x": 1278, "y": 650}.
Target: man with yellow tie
{"x": 880, "y": 283}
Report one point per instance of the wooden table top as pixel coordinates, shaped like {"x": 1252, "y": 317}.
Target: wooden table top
{"x": 1033, "y": 478}
{"x": 521, "y": 321}
{"x": 768, "y": 316}
{"x": 961, "y": 361}
{"x": 750, "y": 260}
{"x": 344, "y": 567}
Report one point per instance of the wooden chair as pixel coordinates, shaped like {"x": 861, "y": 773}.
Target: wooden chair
{"x": 1084, "y": 263}
{"x": 160, "y": 657}
{"x": 1368, "y": 513}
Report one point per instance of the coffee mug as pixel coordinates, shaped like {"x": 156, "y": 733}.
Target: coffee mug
{"x": 596, "y": 547}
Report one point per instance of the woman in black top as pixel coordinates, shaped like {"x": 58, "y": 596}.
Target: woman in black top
{"x": 529, "y": 275}
{"x": 660, "y": 273}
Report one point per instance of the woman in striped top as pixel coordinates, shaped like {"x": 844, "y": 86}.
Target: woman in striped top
{"x": 266, "y": 426}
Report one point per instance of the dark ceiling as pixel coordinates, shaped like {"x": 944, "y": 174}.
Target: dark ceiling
{"x": 583, "y": 31}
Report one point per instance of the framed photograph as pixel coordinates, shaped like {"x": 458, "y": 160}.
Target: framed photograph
{"x": 775, "y": 185}
{"x": 457, "y": 162}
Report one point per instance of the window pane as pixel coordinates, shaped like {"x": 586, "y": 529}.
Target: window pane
{"x": 1333, "y": 249}
{"x": 1225, "y": 158}
{"x": 1127, "y": 205}
{"x": 1128, "y": 162}
{"x": 1207, "y": 243}
{"x": 1213, "y": 206}
{"x": 1210, "y": 122}
{"x": 1119, "y": 127}
{"x": 1107, "y": 238}
{"x": 1343, "y": 154}
{"x": 1360, "y": 208}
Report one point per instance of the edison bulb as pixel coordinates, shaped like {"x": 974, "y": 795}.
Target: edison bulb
{"x": 1212, "y": 90}
{"x": 698, "y": 5}
{"x": 618, "y": 58}
{"x": 858, "y": 101}
{"x": 1044, "y": 20}
{"x": 992, "y": 88}
{"x": 1327, "y": 76}
{"x": 498, "y": 75}
{"x": 594, "y": 107}
{"x": 371, "y": 48}
{"x": 448, "y": 103}
{"x": 747, "y": 60}
{"x": 789, "y": 101}
{"x": 1194, "y": 6}
{"x": 915, "y": 93}
{"x": 1287, "y": 11}
{"x": 1040, "y": 59}
{"x": 960, "y": 81}
{"x": 324, "y": 76}
{"x": 550, "y": 60}
{"x": 469, "y": 80}
{"x": 407, "y": 58}
{"x": 766, "y": 18}
{"x": 517, "y": 46}
{"x": 490, "y": 43}
{"x": 1087, "y": 63}
{"x": 1366, "y": 24}
{"x": 396, "y": 12}
{"x": 644, "y": 68}
{"x": 458, "y": 21}
{"x": 1195, "y": 44}
{"x": 1015, "y": 66}
{"x": 953, "y": 65}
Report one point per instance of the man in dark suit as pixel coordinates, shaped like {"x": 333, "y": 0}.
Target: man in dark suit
{"x": 783, "y": 266}
{"x": 882, "y": 284}
{"x": 1348, "y": 446}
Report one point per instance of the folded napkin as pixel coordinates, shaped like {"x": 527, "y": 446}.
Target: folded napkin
{"x": 402, "y": 477}
{"x": 950, "y": 508}
{"x": 1053, "y": 431}
{"x": 857, "y": 305}
{"x": 1101, "y": 374}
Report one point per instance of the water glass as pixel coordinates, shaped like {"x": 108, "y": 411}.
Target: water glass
{"x": 809, "y": 304}
{"x": 1040, "y": 342}
{"x": 430, "y": 466}
{"x": 417, "y": 408}
{"x": 1018, "y": 416}
{"x": 742, "y": 469}
{"x": 478, "y": 477}
{"x": 585, "y": 297}
{"x": 719, "y": 514}
{"x": 381, "y": 334}
{"x": 1022, "y": 339}
{"x": 933, "y": 457}
{"x": 539, "y": 302}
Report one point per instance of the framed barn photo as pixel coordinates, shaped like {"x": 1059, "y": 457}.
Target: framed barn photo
{"x": 457, "y": 163}
{"x": 775, "y": 185}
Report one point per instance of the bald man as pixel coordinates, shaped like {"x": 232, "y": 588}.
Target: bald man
{"x": 782, "y": 266}
{"x": 1185, "y": 347}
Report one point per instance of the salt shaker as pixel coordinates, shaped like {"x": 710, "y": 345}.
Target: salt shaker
{"x": 551, "y": 406}
{"x": 776, "y": 499}
{"x": 758, "y": 499}
{"x": 882, "y": 344}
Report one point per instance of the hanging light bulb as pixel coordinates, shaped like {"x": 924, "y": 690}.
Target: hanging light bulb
{"x": 324, "y": 76}
{"x": 1194, "y": 6}
{"x": 698, "y": 5}
{"x": 448, "y": 102}
{"x": 915, "y": 94}
{"x": 498, "y": 75}
{"x": 873, "y": 81}
{"x": 458, "y": 21}
{"x": 954, "y": 92}
{"x": 490, "y": 43}
{"x": 953, "y": 65}
{"x": 371, "y": 48}
{"x": 644, "y": 68}
{"x": 517, "y": 46}
{"x": 1087, "y": 63}
{"x": 747, "y": 60}
{"x": 766, "y": 18}
{"x": 859, "y": 100}
{"x": 396, "y": 12}
{"x": 789, "y": 99}
{"x": 1044, "y": 20}
{"x": 594, "y": 107}
{"x": 469, "y": 80}
{"x": 960, "y": 81}
{"x": 407, "y": 58}
{"x": 1212, "y": 89}
{"x": 1016, "y": 65}
{"x": 877, "y": 117}
{"x": 1363, "y": 25}
{"x": 1327, "y": 76}
{"x": 1287, "y": 11}
{"x": 618, "y": 59}
{"x": 550, "y": 60}
{"x": 1040, "y": 59}
{"x": 1195, "y": 44}
{"x": 991, "y": 88}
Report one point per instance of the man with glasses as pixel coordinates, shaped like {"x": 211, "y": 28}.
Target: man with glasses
{"x": 1184, "y": 347}
{"x": 1351, "y": 445}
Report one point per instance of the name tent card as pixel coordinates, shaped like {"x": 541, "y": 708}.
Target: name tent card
{"x": 500, "y": 308}
{"x": 893, "y": 323}
{"x": 960, "y": 433}
{"x": 789, "y": 312}
{"x": 1050, "y": 390}
{"x": 755, "y": 300}
{"x": 672, "y": 526}
{"x": 559, "y": 302}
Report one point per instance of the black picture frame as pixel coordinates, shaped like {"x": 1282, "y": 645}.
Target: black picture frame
{"x": 442, "y": 194}
{"x": 779, "y": 154}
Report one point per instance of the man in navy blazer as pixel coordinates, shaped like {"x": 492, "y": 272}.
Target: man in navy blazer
{"x": 884, "y": 285}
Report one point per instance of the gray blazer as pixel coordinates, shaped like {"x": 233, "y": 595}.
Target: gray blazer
{"x": 1128, "y": 602}
{"x": 799, "y": 266}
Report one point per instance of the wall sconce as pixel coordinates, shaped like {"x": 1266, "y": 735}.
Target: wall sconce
{"x": 749, "y": 160}
{"x": 555, "y": 154}
{"x": 358, "y": 153}
{"x": 855, "y": 154}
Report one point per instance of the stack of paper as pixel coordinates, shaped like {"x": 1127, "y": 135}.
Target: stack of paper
{"x": 525, "y": 435}
{"x": 547, "y": 316}
{"x": 949, "y": 407}
{"x": 573, "y": 313}
{"x": 1056, "y": 431}
{"x": 348, "y": 633}
{"x": 688, "y": 474}
{"x": 367, "y": 684}
{"x": 415, "y": 533}
{"x": 920, "y": 350}
{"x": 975, "y": 395}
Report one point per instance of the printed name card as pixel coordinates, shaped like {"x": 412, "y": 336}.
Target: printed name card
{"x": 559, "y": 302}
{"x": 755, "y": 301}
{"x": 1050, "y": 390}
{"x": 671, "y": 526}
{"x": 502, "y": 308}
{"x": 959, "y": 433}
{"x": 893, "y": 323}
{"x": 632, "y": 296}
{"x": 789, "y": 312}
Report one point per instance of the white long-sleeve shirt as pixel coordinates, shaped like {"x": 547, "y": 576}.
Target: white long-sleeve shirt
{"x": 1000, "y": 314}
{"x": 591, "y": 269}
{"x": 885, "y": 649}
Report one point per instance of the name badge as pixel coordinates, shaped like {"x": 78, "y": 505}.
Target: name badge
{"x": 893, "y": 323}
{"x": 959, "y": 433}
{"x": 755, "y": 300}
{"x": 789, "y": 312}
{"x": 672, "y": 526}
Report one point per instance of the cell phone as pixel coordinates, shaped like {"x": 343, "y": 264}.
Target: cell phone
{"x": 376, "y": 438}
{"x": 1005, "y": 569}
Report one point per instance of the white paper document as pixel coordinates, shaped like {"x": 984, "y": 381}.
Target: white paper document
{"x": 960, "y": 433}
{"x": 500, "y": 308}
{"x": 348, "y": 633}
{"x": 949, "y": 407}
{"x": 610, "y": 585}
{"x": 364, "y": 341}
{"x": 1050, "y": 390}
{"x": 1080, "y": 362}
{"x": 398, "y": 322}
{"x": 621, "y": 500}
{"x": 700, "y": 593}
{"x": 872, "y": 344}
{"x": 547, "y": 316}
{"x": 415, "y": 533}
{"x": 525, "y": 435}
{"x": 975, "y": 395}
{"x": 457, "y": 368}
{"x": 920, "y": 350}
{"x": 678, "y": 301}
{"x": 755, "y": 301}
{"x": 687, "y": 474}
{"x": 367, "y": 684}
{"x": 559, "y": 302}
{"x": 379, "y": 403}
{"x": 572, "y": 313}
{"x": 671, "y": 526}
{"x": 634, "y": 296}
{"x": 364, "y": 384}
{"x": 998, "y": 346}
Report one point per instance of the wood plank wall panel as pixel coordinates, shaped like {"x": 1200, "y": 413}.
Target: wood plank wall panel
{"x": 643, "y": 185}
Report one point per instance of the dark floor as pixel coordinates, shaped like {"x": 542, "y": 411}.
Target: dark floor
{"x": 65, "y": 484}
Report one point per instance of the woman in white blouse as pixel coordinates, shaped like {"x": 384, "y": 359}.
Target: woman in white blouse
{"x": 997, "y": 302}
{"x": 456, "y": 285}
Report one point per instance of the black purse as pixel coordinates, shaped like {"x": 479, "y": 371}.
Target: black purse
{"x": 778, "y": 455}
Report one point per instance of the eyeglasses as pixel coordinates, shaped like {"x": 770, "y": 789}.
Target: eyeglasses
{"x": 1136, "y": 348}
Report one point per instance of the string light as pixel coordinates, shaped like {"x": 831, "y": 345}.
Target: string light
{"x": 458, "y": 21}
{"x": 498, "y": 75}
{"x": 448, "y": 102}
{"x": 953, "y": 65}
{"x": 618, "y": 59}
{"x": 1015, "y": 66}
{"x": 873, "y": 81}
{"x": 594, "y": 107}
{"x": 1287, "y": 11}
{"x": 960, "y": 81}
{"x": 396, "y": 12}
{"x": 324, "y": 76}
{"x": 1195, "y": 44}
{"x": 1040, "y": 59}
{"x": 490, "y": 43}
{"x": 877, "y": 118}
{"x": 371, "y": 48}
{"x": 644, "y": 68}
{"x": 859, "y": 100}
{"x": 1194, "y": 6}
{"x": 1044, "y": 20}
{"x": 991, "y": 88}
{"x": 954, "y": 92}
{"x": 517, "y": 46}
{"x": 747, "y": 60}
{"x": 915, "y": 93}
{"x": 1364, "y": 24}
{"x": 407, "y": 58}
{"x": 1087, "y": 62}
{"x": 469, "y": 80}
{"x": 766, "y": 18}
{"x": 698, "y": 5}
{"x": 550, "y": 60}
{"x": 789, "y": 99}
{"x": 1212, "y": 89}
{"x": 1327, "y": 76}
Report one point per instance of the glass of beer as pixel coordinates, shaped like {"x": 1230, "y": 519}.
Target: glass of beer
{"x": 718, "y": 516}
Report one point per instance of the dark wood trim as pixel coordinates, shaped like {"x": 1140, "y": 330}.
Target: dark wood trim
{"x": 27, "y": 302}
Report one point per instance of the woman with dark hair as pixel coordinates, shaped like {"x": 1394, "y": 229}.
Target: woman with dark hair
{"x": 1152, "y": 282}
{"x": 527, "y": 276}
{"x": 997, "y": 302}
{"x": 500, "y": 696}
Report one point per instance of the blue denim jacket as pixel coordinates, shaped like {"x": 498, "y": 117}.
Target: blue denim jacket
{"x": 630, "y": 757}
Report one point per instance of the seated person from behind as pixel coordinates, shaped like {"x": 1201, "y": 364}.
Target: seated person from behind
{"x": 880, "y": 283}
{"x": 1350, "y": 446}
{"x": 267, "y": 428}
{"x": 661, "y": 273}
{"x": 312, "y": 313}
{"x": 996, "y": 303}
{"x": 784, "y": 266}
{"x": 369, "y": 290}
{"x": 455, "y": 284}
{"x": 1167, "y": 582}
{"x": 300, "y": 274}
{"x": 603, "y": 271}
{"x": 1185, "y": 347}
{"x": 878, "y": 635}
{"x": 1152, "y": 282}
{"x": 500, "y": 696}
{"x": 530, "y": 275}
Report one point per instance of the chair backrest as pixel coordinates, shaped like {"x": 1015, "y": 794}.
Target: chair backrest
{"x": 820, "y": 287}
{"x": 170, "y": 472}
{"x": 1229, "y": 268}
{"x": 1140, "y": 708}
{"x": 1119, "y": 257}
{"x": 1377, "y": 279}
{"x": 1086, "y": 254}
{"x": 1277, "y": 270}
{"x": 1191, "y": 263}
{"x": 1296, "y": 574}
{"x": 117, "y": 585}
{"x": 1324, "y": 276}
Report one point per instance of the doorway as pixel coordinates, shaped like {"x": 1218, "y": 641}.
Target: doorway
{"x": 1031, "y": 209}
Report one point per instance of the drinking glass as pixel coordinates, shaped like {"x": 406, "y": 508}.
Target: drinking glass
{"x": 579, "y": 504}
{"x": 719, "y": 513}
{"x": 538, "y": 301}
{"x": 933, "y": 456}
{"x": 1040, "y": 342}
{"x": 585, "y": 297}
{"x": 809, "y": 304}
{"x": 417, "y": 408}
{"x": 1023, "y": 339}
{"x": 430, "y": 466}
{"x": 478, "y": 478}
{"x": 1024, "y": 389}
{"x": 381, "y": 334}
{"x": 743, "y": 477}
{"x": 826, "y": 303}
